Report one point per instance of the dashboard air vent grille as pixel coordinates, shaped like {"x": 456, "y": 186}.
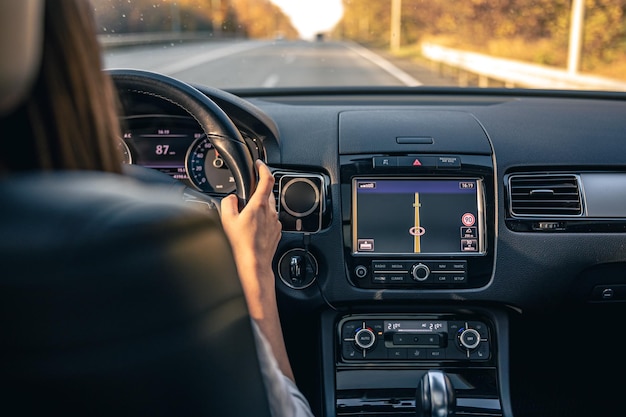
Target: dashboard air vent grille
{"x": 545, "y": 195}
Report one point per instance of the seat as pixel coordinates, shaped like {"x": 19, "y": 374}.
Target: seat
{"x": 116, "y": 297}
{"x": 120, "y": 301}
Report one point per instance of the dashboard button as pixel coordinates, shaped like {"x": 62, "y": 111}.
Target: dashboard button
{"x": 454, "y": 327}
{"x": 441, "y": 278}
{"x": 458, "y": 278}
{"x": 360, "y": 271}
{"x": 469, "y": 339}
{"x": 397, "y": 353}
{"x": 398, "y": 278}
{"x": 379, "y": 279}
{"x": 448, "y": 162}
{"x": 416, "y": 353}
{"x": 349, "y": 329}
{"x": 385, "y": 161}
{"x": 417, "y": 162}
{"x": 480, "y": 327}
{"x": 350, "y": 352}
{"x": 435, "y": 354}
{"x": 481, "y": 353}
{"x": 365, "y": 338}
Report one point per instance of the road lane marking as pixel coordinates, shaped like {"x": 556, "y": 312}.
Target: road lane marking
{"x": 385, "y": 65}
{"x": 208, "y": 56}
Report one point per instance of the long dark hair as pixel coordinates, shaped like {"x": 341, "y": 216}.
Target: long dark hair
{"x": 70, "y": 120}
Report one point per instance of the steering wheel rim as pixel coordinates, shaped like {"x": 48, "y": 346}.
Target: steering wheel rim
{"x": 219, "y": 129}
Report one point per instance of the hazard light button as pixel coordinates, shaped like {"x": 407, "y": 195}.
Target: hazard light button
{"x": 417, "y": 161}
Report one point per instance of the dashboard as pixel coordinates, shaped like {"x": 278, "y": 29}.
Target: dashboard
{"x": 474, "y": 234}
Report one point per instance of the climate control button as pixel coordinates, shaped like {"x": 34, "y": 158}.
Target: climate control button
{"x": 469, "y": 339}
{"x": 365, "y": 338}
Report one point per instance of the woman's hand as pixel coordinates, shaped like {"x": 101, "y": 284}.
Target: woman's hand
{"x": 254, "y": 235}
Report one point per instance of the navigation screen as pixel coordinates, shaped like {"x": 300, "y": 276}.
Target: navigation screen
{"x": 400, "y": 216}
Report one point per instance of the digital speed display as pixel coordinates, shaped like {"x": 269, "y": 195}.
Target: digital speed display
{"x": 409, "y": 216}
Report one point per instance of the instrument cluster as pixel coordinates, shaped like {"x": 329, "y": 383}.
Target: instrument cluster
{"x": 177, "y": 146}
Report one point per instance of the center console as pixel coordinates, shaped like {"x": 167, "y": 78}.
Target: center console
{"x": 417, "y": 223}
{"x": 379, "y": 360}
{"x": 418, "y": 219}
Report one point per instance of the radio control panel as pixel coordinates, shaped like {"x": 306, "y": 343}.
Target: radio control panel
{"x": 414, "y": 273}
{"x": 413, "y": 338}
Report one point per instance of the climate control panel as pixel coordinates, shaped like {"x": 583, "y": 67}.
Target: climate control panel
{"x": 413, "y": 338}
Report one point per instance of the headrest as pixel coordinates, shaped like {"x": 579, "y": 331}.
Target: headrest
{"x": 21, "y": 29}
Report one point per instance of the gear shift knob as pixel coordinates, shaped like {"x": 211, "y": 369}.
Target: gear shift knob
{"x": 435, "y": 395}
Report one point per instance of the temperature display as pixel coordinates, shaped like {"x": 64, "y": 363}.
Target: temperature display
{"x": 416, "y": 326}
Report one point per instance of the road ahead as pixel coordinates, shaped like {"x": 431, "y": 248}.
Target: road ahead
{"x": 245, "y": 64}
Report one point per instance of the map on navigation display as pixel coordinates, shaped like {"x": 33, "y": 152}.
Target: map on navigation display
{"x": 407, "y": 216}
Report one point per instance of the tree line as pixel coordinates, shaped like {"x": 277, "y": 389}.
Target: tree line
{"x": 248, "y": 18}
{"x": 536, "y": 30}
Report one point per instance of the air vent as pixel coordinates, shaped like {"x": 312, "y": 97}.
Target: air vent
{"x": 545, "y": 195}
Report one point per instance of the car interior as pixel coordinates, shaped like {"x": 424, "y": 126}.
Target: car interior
{"x": 445, "y": 251}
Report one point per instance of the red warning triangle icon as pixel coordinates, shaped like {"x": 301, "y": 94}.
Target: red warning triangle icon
{"x": 417, "y": 163}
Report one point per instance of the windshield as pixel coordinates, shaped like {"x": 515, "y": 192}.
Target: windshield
{"x": 235, "y": 44}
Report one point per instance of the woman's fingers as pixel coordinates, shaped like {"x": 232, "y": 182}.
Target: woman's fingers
{"x": 265, "y": 184}
{"x": 229, "y": 206}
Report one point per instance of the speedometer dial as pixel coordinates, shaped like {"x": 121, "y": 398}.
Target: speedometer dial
{"x": 207, "y": 170}
{"x": 124, "y": 151}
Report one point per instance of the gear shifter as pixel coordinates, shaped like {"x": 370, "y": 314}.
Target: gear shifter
{"x": 435, "y": 395}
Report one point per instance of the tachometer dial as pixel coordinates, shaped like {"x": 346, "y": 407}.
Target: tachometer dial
{"x": 207, "y": 170}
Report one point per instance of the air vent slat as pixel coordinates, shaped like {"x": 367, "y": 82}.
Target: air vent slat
{"x": 545, "y": 195}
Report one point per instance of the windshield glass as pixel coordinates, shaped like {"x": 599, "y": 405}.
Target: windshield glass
{"x": 234, "y": 44}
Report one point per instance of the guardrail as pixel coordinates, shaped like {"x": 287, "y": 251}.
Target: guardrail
{"x": 516, "y": 73}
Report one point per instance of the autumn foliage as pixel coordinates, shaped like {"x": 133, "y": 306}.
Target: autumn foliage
{"x": 533, "y": 30}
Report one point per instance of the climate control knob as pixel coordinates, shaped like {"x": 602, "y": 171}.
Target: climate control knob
{"x": 365, "y": 338}
{"x": 420, "y": 272}
{"x": 469, "y": 339}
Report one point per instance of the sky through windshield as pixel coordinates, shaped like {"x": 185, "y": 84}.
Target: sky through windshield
{"x": 312, "y": 16}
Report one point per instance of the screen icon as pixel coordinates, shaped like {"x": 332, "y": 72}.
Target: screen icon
{"x": 468, "y": 219}
{"x": 365, "y": 245}
{"x": 469, "y": 245}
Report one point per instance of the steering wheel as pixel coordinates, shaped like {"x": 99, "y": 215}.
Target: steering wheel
{"x": 219, "y": 129}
